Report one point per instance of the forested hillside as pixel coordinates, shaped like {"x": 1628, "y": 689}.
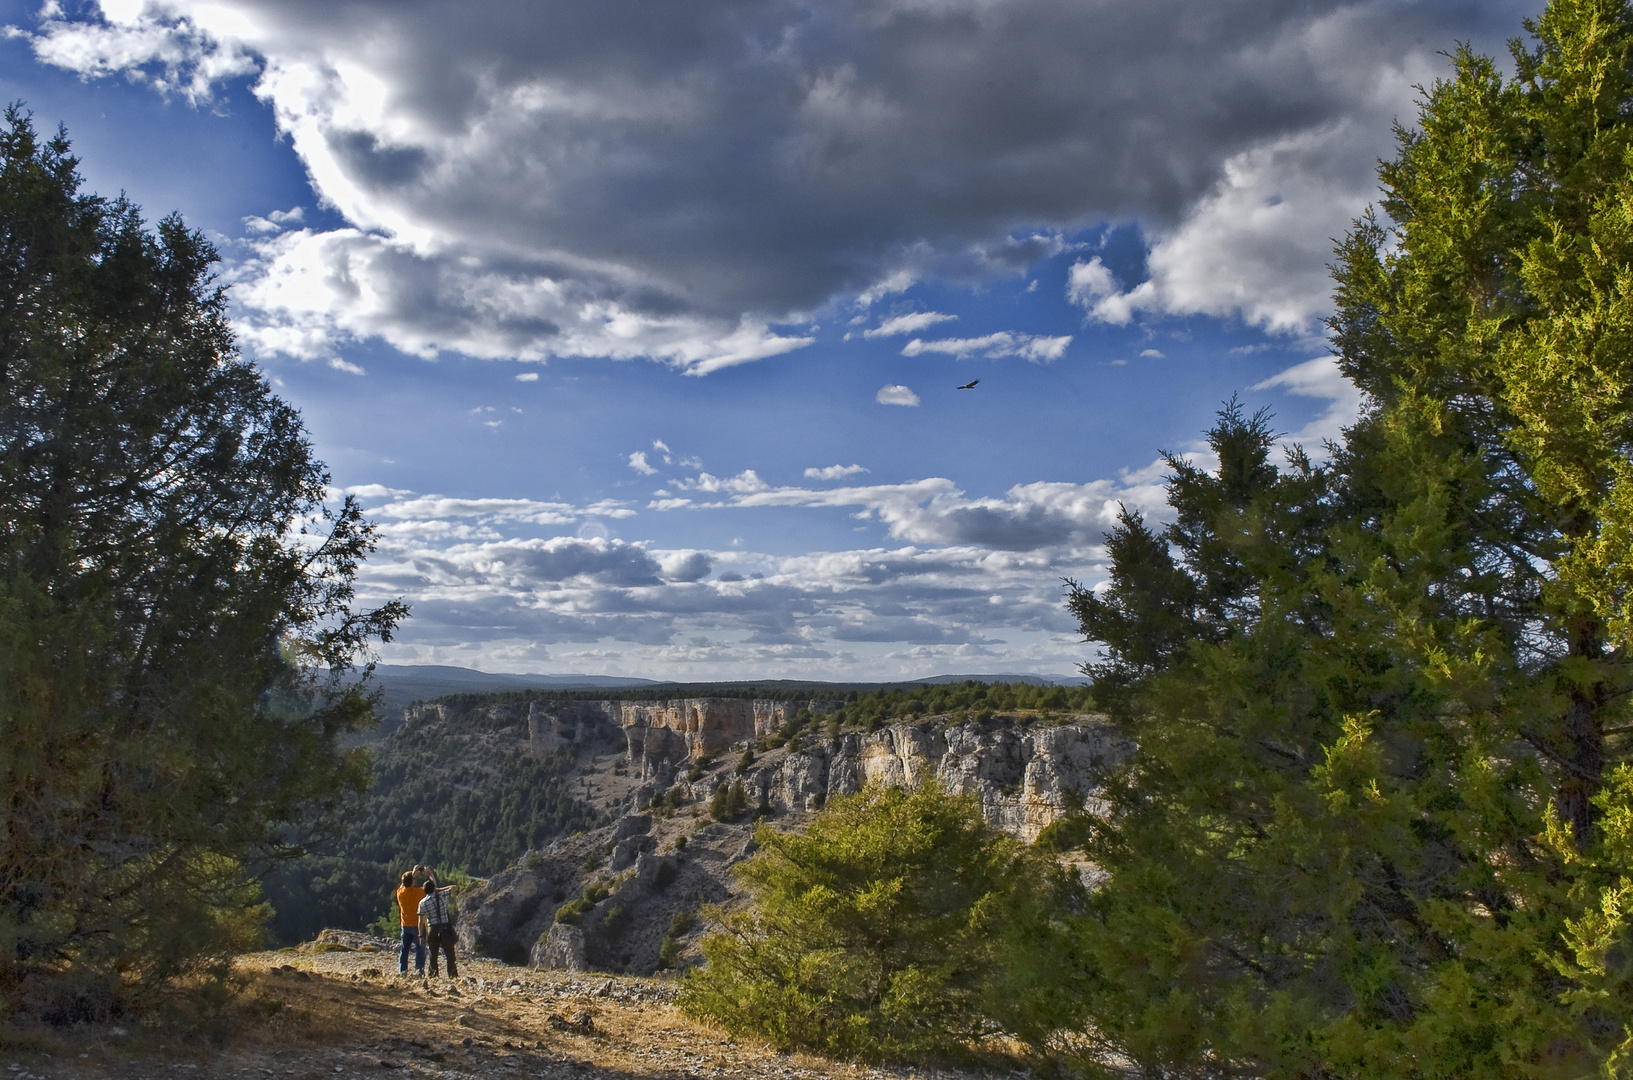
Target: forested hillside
{"x": 458, "y": 793}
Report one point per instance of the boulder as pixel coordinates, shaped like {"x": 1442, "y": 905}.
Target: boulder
{"x": 562, "y": 949}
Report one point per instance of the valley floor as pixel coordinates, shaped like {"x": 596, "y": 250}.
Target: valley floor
{"x": 349, "y": 1014}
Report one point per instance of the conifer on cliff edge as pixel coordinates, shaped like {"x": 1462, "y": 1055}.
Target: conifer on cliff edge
{"x": 1381, "y": 820}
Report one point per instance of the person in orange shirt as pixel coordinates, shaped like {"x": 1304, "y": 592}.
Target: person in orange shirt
{"x": 409, "y": 896}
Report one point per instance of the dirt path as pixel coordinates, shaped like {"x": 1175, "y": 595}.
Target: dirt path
{"x": 349, "y": 1014}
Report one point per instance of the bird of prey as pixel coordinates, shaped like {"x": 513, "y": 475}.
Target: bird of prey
{"x": 968, "y": 386}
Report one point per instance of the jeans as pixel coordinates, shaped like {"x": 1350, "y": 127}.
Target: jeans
{"x": 443, "y": 939}
{"x": 411, "y": 937}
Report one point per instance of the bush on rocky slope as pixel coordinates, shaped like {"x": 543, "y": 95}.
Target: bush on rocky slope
{"x": 879, "y": 932}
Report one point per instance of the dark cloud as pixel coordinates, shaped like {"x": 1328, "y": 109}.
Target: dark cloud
{"x": 759, "y": 157}
{"x": 718, "y": 160}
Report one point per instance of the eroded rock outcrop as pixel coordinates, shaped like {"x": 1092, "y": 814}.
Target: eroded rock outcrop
{"x": 656, "y": 736}
{"x": 646, "y": 868}
{"x": 1025, "y": 776}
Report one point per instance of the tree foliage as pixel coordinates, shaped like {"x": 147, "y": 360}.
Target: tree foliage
{"x": 1378, "y": 824}
{"x": 886, "y": 930}
{"x": 175, "y": 602}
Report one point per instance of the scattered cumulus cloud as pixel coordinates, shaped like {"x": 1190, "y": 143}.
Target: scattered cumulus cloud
{"x": 494, "y": 564}
{"x": 638, "y": 462}
{"x": 346, "y": 365}
{"x": 908, "y": 324}
{"x": 1028, "y": 517}
{"x": 1319, "y": 378}
{"x": 744, "y": 482}
{"x": 529, "y": 511}
{"x": 276, "y": 221}
{"x": 834, "y": 472}
{"x": 528, "y": 376}
{"x": 896, "y": 394}
{"x": 1039, "y": 350}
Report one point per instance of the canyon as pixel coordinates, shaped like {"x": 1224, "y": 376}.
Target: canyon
{"x": 625, "y": 897}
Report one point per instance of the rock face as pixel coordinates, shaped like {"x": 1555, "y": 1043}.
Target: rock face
{"x": 562, "y": 949}
{"x": 647, "y": 868}
{"x": 512, "y": 916}
{"x": 1025, "y": 777}
{"x": 658, "y": 735}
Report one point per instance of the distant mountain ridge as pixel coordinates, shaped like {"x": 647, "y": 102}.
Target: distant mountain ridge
{"x": 403, "y": 684}
{"x": 1004, "y": 677}
{"x": 406, "y": 683}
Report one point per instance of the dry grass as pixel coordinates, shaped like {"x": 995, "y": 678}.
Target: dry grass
{"x": 344, "y": 1013}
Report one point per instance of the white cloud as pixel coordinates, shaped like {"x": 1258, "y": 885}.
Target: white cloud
{"x": 375, "y": 491}
{"x": 528, "y": 376}
{"x": 1091, "y": 285}
{"x": 685, "y": 565}
{"x": 528, "y": 511}
{"x": 303, "y": 293}
{"x": 1257, "y": 244}
{"x": 744, "y": 482}
{"x": 1319, "y": 378}
{"x": 638, "y": 462}
{"x": 1029, "y": 517}
{"x": 346, "y": 365}
{"x": 488, "y": 578}
{"x": 1039, "y": 350}
{"x": 1152, "y": 354}
{"x": 896, "y": 394}
{"x": 273, "y": 222}
{"x": 908, "y": 324}
{"x": 834, "y": 472}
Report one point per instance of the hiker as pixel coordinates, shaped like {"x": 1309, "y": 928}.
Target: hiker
{"x": 409, "y": 896}
{"x": 437, "y": 923}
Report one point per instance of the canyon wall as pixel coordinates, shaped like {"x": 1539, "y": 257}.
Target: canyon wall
{"x": 656, "y": 865}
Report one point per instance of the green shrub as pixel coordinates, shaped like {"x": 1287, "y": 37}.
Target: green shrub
{"x": 729, "y": 803}
{"x": 616, "y": 920}
{"x": 573, "y": 910}
{"x": 670, "y": 949}
{"x": 898, "y": 926}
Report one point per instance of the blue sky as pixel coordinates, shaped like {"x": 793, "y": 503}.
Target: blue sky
{"x": 636, "y": 326}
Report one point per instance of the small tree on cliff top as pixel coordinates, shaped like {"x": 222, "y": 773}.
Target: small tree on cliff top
{"x": 175, "y": 603}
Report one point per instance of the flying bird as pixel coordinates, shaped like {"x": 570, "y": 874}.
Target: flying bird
{"x": 968, "y": 386}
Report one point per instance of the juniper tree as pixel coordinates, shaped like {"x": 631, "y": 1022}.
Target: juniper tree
{"x": 1379, "y": 823}
{"x": 176, "y": 603}
{"x": 898, "y": 925}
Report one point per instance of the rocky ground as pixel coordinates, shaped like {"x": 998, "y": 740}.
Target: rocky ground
{"x": 348, "y": 1013}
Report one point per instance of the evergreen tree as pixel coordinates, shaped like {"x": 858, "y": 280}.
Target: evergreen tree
{"x": 175, "y": 603}
{"x": 1379, "y": 822}
{"x": 897, "y": 926}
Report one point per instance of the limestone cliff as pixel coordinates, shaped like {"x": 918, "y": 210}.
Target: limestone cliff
{"x": 657, "y": 735}
{"x": 1025, "y": 776}
{"x": 641, "y": 871}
